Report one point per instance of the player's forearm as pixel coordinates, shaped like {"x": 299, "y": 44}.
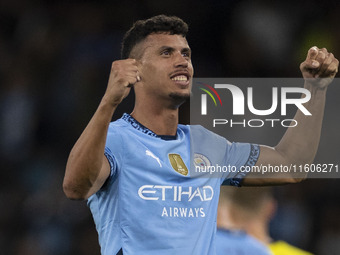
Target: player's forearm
{"x": 299, "y": 144}
{"x": 86, "y": 157}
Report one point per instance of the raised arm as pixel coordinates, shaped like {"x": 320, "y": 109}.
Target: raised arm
{"x": 87, "y": 168}
{"x": 299, "y": 144}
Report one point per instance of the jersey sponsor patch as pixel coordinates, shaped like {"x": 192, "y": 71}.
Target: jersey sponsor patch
{"x": 178, "y": 164}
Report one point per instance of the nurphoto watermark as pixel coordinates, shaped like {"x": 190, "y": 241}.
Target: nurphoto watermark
{"x": 260, "y": 111}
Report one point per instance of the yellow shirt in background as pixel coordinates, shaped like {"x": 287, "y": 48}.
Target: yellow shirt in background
{"x": 283, "y": 248}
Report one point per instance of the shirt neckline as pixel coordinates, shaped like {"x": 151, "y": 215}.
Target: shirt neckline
{"x": 140, "y": 127}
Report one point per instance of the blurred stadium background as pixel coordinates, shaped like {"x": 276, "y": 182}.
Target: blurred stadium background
{"x": 55, "y": 58}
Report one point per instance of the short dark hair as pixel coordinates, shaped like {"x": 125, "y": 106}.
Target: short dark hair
{"x": 157, "y": 24}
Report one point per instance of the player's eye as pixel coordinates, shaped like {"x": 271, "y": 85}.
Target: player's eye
{"x": 186, "y": 54}
{"x": 165, "y": 53}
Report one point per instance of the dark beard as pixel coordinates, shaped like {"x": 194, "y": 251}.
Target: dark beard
{"x": 179, "y": 98}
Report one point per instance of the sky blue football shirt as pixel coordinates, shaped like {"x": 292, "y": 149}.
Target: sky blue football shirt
{"x": 155, "y": 201}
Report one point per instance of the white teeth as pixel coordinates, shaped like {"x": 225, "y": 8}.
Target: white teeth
{"x": 180, "y": 78}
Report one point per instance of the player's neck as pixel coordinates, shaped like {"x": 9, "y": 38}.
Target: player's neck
{"x": 160, "y": 120}
{"x": 259, "y": 230}
{"x": 225, "y": 220}
{"x": 237, "y": 221}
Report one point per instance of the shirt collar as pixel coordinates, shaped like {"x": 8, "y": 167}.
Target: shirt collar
{"x": 140, "y": 127}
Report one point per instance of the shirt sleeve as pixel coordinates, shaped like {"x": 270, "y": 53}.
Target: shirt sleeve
{"x": 111, "y": 159}
{"x": 228, "y": 161}
{"x": 113, "y": 167}
{"x": 112, "y": 154}
{"x": 241, "y": 156}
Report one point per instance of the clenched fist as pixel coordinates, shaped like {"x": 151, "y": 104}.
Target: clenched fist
{"x": 124, "y": 74}
{"x": 320, "y": 67}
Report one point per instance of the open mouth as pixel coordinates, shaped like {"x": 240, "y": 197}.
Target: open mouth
{"x": 180, "y": 78}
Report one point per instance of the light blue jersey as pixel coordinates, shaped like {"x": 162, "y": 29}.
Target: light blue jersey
{"x": 151, "y": 203}
{"x": 238, "y": 243}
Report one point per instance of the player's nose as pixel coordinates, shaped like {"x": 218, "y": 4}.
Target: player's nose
{"x": 181, "y": 60}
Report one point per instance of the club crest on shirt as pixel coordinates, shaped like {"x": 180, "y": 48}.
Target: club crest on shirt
{"x": 201, "y": 161}
{"x": 178, "y": 164}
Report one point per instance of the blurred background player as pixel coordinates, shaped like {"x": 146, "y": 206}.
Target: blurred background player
{"x": 249, "y": 210}
{"x": 234, "y": 240}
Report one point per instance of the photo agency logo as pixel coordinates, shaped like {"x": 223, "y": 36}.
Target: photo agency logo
{"x": 204, "y": 97}
{"x": 258, "y": 105}
{"x": 258, "y": 110}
